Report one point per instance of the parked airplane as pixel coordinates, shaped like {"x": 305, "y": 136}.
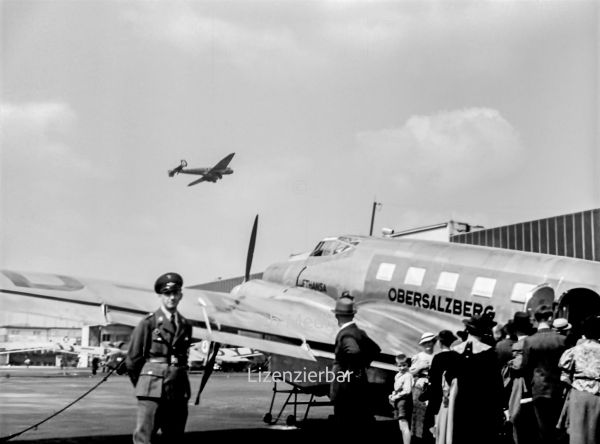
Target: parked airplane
{"x": 208, "y": 174}
{"x": 402, "y": 287}
{"x": 58, "y": 347}
{"x": 227, "y": 359}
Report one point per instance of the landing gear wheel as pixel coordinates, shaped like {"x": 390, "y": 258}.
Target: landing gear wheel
{"x": 267, "y": 418}
{"x": 290, "y": 420}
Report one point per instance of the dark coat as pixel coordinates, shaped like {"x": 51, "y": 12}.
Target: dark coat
{"x": 156, "y": 339}
{"x": 541, "y": 353}
{"x": 504, "y": 351}
{"x": 354, "y": 351}
{"x": 478, "y": 405}
{"x": 443, "y": 362}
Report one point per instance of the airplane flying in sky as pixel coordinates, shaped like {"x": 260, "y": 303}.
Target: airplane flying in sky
{"x": 402, "y": 288}
{"x": 208, "y": 174}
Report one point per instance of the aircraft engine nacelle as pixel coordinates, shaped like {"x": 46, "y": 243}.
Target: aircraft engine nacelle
{"x": 316, "y": 312}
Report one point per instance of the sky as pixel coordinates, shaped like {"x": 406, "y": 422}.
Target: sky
{"x": 481, "y": 112}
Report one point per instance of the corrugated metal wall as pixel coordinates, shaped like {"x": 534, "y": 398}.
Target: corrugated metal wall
{"x": 572, "y": 235}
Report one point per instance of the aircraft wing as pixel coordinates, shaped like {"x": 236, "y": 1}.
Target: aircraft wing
{"x": 79, "y": 302}
{"x": 27, "y": 347}
{"x": 202, "y": 179}
{"x": 260, "y": 315}
{"x": 223, "y": 163}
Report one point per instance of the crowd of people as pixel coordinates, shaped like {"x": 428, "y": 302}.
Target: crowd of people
{"x": 533, "y": 381}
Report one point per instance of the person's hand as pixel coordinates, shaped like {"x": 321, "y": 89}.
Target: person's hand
{"x": 116, "y": 362}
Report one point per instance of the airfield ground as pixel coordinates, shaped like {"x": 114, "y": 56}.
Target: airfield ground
{"x": 231, "y": 408}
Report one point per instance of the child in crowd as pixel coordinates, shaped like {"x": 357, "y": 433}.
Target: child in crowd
{"x": 401, "y": 397}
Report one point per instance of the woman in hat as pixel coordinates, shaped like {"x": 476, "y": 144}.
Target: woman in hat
{"x": 520, "y": 410}
{"x": 478, "y": 408}
{"x": 442, "y": 377}
{"x": 580, "y": 367}
{"x": 421, "y": 363}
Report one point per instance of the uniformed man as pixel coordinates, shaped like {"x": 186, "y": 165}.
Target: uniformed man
{"x": 354, "y": 351}
{"x": 157, "y": 365}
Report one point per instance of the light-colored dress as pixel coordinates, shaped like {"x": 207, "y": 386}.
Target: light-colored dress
{"x": 580, "y": 367}
{"x": 444, "y": 420}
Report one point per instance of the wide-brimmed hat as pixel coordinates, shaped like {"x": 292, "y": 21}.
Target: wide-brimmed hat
{"x": 522, "y": 321}
{"x": 446, "y": 337}
{"x": 479, "y": 324}
{"x": 561, "y": 324}
{"x": 344, "y": 305}
{"x": 427, "y": 337}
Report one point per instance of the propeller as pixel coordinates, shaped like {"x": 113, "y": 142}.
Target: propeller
{"x": 214, "y": 346}
{"x": 209, "y": 365}
{"x": 251, "y": 250}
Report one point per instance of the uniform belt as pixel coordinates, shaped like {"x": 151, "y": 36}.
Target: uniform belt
{"x": 165, "y": 360}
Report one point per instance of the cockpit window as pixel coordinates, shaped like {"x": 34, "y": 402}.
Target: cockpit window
{"x": 332, "y": 246}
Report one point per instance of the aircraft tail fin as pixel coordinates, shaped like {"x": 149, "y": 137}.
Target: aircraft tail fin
{"x": 178, "y": 169}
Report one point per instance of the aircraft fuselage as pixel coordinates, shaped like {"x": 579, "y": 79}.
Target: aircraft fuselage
{"x": 202, "y": 171}
{"x": 445, "y": 280}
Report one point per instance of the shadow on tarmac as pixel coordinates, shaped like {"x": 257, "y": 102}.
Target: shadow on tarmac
{"x": 315, "y": 430}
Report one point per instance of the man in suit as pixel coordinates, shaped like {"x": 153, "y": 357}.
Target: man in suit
{"x": 157, "y": 365}
{"x": 354, "y": 351}
{"x": 541, "y": 353}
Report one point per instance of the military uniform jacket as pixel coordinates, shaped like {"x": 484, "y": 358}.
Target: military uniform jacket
{"x": 157, "y": 357}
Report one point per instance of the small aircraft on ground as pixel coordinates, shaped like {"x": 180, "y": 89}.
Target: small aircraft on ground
{"x": 59, "y": 347}
{"x": 227, "y": 359}
{"x": 402, "y": 288}
{"x": 208, "y": 174}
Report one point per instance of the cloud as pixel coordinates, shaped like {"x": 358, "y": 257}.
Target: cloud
{"x": 41, "y": 117}
{"x": 192, "y": 29}
{"x": 38, "y": 132}
{"x": 447, "y": 151}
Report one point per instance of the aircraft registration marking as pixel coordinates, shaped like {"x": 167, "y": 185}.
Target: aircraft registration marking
{"x": 442, "y": 304}
{"x": 317, "y": 286}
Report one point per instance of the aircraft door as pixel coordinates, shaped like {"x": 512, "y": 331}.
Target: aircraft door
{"x": 541, "y": 295}
{"x": 576, "y": 305}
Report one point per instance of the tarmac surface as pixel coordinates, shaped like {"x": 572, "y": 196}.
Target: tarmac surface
{"x": 231, "y": 408}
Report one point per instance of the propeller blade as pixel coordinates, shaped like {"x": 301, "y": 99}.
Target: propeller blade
{"x": 251, "y": 250}
{"x": 213, "y": 351}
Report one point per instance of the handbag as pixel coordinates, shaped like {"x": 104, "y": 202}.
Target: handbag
{"x": 425, "y": 392}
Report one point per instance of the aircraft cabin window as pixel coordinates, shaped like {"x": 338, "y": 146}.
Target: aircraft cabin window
{"x": 520, "y": 292}
{"x": 414, "y": 276}
{"x": 484, "y": 287}
{"x": 447, "y": 281}
{"x": 385, "y": 272}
